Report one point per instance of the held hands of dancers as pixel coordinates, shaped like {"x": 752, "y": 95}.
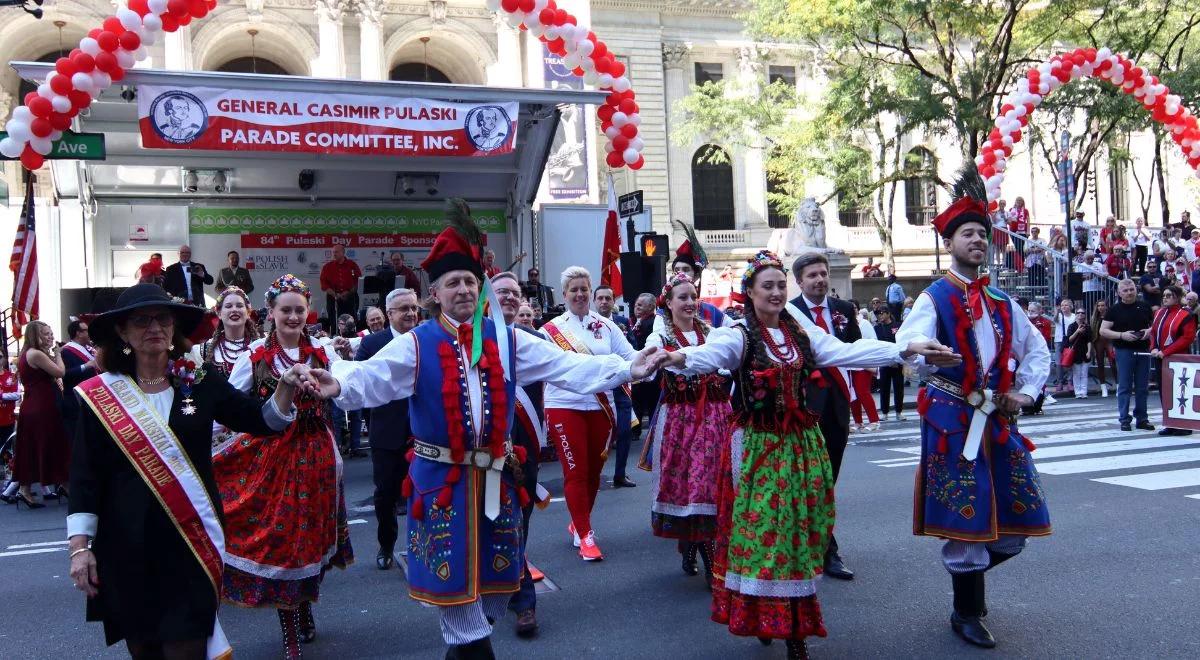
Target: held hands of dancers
{"x": 648, "y": 361}
{"x": 935, "y": 353}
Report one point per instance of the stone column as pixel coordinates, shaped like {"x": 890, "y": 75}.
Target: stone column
{"x": 752, "y": 211}
{"x": 506, "y": 72}
{"x": 177, "y": 49}
{"x": 6, "y": 105}
{"x": 370, "y": 18}
{"x": 679, "y": 157}
{"x": 331, "y": 61}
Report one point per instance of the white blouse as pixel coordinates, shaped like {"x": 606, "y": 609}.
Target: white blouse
{"x": 611, "y": 341}
{"x": 242, "y": 376}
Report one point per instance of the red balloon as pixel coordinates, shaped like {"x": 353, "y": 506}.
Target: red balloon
{"x": 599, "y": 51}
{"x": 139, "y": 7}
{"x": 617, "y": 69}
{"x": 185, "y": 19}
{"x": 578, "y": 71}
{"x": 79, "y": 100}
{"x": 169, "y": 23}
{"x": 94, "y": 32}
{"x": 130, "y": 41}
{"x": 572, "y": 20}
{"x": 601, "y": 64}
{"x": 628, "y": 106}
{"x": 106, "y": 62}
{"x": 558, "y": 47}
{"x": 1016, "y": 136}
{"x": 108, "y": 41}
{"x": 60, "y": 84}
{"x": 113, "y": 24}
{"x": 177, "y": 8}
{"x": 546, "y": 16}
{"x": 560, "y": 16}
{"x": 620, "y": 143}
{"x": 605, "y": 112}
{"x": 198, "y": 8}
{"x": 64, "y": 66}
{"x": 117, "y": 74}
{"x": 637, "y": 164}
{"x": 212, "y": 4}
{"x": 629, "y": 130}
{"x": 60, "y": 121}
{"x": 604, "y": 126}
{"x": 989, "y": 156}
{"x": 83, "y": 62}
{"x": 29, "y": 97}
{"x": 40, "y": 127}
{"x": 526, "y": 5}
{"x": 509, "y": 6}
{"x": 614, "y": 99}
{"x": 614, "y": 159}
{"x": 40, "y": 107}
{"x": 31, "y": 159}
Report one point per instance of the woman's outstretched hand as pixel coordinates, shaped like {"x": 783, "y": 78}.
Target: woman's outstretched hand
{"x": 934, "y": 352}
{"x": 322, "y": 384}
{"x": 648, "y": 361}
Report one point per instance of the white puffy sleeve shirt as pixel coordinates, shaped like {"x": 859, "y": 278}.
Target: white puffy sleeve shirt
{"x": 1029, "y": 349}
{"x": 391, "y": 373}
{"x": 611, "y": 341}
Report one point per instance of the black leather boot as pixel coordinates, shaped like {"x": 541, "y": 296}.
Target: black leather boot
{"x": 706, "y": 556}
{"x": 480, "y": 649}
{"x": 688, "y": 550}
{"x": 289, "y": 625}
{"x": 797, "y": 649}
{"x": 967, "y": 618}
{"x": 996, "y": 558}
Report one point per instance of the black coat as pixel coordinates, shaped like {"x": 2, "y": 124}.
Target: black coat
{"x": 175, "y": 285}
{"x": 151, "y": 585}
{"x": 817, "y": 397}
{"x": 76, "y": 373}
{"x": 389, "y": 423}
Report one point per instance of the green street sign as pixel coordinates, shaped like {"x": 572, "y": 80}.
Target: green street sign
{"x": 73, "y": 146}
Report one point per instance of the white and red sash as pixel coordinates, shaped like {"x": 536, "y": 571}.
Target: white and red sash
{"x": 567, "y": 341}
{"x": 84, "y": 353}
{"x": 158, "y": 457}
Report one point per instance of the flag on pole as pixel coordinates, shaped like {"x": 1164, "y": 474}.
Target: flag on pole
{"x": 23, "y": 264}
{"x": 610, "y": 260}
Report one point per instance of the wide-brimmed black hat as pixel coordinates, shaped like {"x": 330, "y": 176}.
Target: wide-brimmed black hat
{"x": 138, "y": 296}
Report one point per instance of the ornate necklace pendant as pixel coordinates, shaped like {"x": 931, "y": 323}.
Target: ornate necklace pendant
{"x": 188, "y": 407}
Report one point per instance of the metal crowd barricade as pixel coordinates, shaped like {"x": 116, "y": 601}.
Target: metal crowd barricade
{"x": 1038, "y": 273}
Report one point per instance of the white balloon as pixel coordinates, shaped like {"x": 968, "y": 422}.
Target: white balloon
{"x": 1198, "y": 174}
{"x": 637, "y": 143}
{"x": 621, "y": 84}
{"x": 151, "y": 23}
{"x": 590, "y": 77}
{"x": 492, "y": 5}
{"x": 551, "y": 32}
{"x": 1043, "y": 88}
{"x": 60, "y": 103}
{"x": 45, "y": 91}
{"x": 89, "y": 46}
{"x": 610, "y": 133}
{"x": 125, "y": 59}
{"x": 536, "y": 30}
{"x": 979, "y": 160}
{"x": 1118, "y": 80}
{"x": 101, "y": 80}
{"x": 1019, "y": 111}
{"x": 515, "y": 18}
{"x": 129, "y": 18}
{"x": 571, "y": 61}
{"x": 41, "y": 145}
{"x": 587, "y": 47}
{"x": 608, "y": 147}
{"x": 635, "y": 119}
{"x": 532, "y": 20}
{"x": 999, "y": 165}
{"x": 18, "y": 130}
{"x": 605, "y": 82}
{"x": 82, "y": 81}
{"x": 157, "y": 7}
{"x": 141, "y": 53}
{"x": 567, "y": 33}
{"x": 619, "y": 119}
{"x": 630, "y": 156}
{"x": 11, "y": 148}
{"x": 1103, "y": 53}
{"x": 55, "y": 135}
{"x": 539, "y": 5}
{"x": 1006, "y": 140}
{"x": 22, "y": 114}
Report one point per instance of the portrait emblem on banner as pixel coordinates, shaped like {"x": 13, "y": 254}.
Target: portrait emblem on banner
{"x": 178, "y": 117}
{"x": 488, "y": 127}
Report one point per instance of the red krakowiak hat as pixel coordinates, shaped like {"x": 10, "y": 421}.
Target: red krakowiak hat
{"x": 458, "y": 246}
{"x": 970, "y": 204}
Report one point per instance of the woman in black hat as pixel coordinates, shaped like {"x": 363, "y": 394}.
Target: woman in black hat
{"x": 144, "y": 525}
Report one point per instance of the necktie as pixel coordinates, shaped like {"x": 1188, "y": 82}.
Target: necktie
{"x": 975, "y": 297}
{"x": 819, "y": 318}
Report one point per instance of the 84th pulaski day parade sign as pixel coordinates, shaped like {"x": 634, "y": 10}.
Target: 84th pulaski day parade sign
{"x": 261, "y": 120}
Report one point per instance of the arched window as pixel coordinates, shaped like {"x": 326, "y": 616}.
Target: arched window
{"x": 712, "y": 188}
{"x": 852, "y": 177}
{"x": 418, "y": 72}
{"x": 253, "y": 65}
{"x": 920, "y": 187}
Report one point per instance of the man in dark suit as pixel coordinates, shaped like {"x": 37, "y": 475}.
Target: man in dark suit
{"x": 528, "y": 432}
{"x": 79, "y": 358}
{"x": 830, "y": 399}
{"x": 234, "y": 274}
{"x": 186, "y": 279}
{"x": 389, "y": 428}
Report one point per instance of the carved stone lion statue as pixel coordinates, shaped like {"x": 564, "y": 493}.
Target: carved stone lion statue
{"x": 808, "y": 229}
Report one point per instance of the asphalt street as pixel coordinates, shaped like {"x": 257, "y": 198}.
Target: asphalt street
{"x": 1119, "y": 578}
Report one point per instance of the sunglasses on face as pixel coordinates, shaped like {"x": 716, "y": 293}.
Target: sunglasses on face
{"x": 143, "y": 321}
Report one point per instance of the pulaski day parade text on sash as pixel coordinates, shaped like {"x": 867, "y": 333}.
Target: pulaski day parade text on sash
{"x": 158, "y": 457}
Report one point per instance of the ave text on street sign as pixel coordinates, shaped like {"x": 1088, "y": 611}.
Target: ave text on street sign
{"x": 630, "y": 204}
{"x": 73, "y": 146}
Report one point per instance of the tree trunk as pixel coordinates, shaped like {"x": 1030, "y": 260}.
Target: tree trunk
{"x": 1162, "y": 183}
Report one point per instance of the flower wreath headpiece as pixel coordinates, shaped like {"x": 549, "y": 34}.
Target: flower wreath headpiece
{"x": 676, "y": 280}
{"x": 287, "y": 284}
{"x": 231, "y": 291}
{"x": 760, "y": 261}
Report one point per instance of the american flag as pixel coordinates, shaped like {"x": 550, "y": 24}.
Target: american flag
{"x": 23, "y": 264}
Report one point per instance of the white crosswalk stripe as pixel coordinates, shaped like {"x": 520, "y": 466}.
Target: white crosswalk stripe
{"x": 1084, "y": 439}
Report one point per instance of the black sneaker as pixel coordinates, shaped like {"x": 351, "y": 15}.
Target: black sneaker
{"x": 1126, "y": 426}
{"x": 1145, "y": 425}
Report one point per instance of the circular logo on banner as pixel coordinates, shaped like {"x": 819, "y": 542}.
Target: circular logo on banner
{"x": 488, "y": 127}
{"x": 178, "y": 117}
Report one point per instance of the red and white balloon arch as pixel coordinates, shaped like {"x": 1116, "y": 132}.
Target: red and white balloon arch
{"x": 104, "y": 56}
{"x": 1164, "y": 107}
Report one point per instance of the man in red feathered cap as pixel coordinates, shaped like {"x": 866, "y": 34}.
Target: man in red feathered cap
{"x": 459, "y": 371}
{"x": 977, "y": 487}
